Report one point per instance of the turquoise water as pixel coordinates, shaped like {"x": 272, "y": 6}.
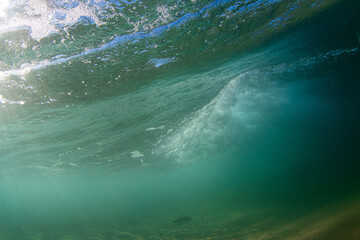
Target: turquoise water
{"x": 179, "y": 119}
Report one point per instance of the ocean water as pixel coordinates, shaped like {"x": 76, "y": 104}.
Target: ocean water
{"x": 179, "y": 119}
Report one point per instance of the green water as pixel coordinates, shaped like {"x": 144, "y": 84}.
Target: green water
{"x": 179, "y": 120}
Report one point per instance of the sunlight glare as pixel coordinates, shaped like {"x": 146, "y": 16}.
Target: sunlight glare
{"x": 3, "y": 6}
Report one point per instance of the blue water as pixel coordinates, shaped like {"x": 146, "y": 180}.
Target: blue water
{"x": 179, "y": 119}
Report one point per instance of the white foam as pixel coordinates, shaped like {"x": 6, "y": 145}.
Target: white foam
{"x": 155, "y": 128}
{"x": 142, "y": 163}
{"x": 42, "y": 17}
{"x": 73, "y": 164}
{"x": 158, "y": 62}
{"x": 136, "y": 154}
{"x": 236, "y": 110}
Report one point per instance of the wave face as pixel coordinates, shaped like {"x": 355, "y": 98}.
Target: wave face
{"x": 179, "y": 119}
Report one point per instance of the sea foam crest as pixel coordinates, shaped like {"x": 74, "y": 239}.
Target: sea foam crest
{"x": 239, "y": 108}
{"x": 248, "y": 102}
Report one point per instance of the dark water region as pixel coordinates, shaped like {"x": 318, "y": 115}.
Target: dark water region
{"x": 180, "y": 120}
